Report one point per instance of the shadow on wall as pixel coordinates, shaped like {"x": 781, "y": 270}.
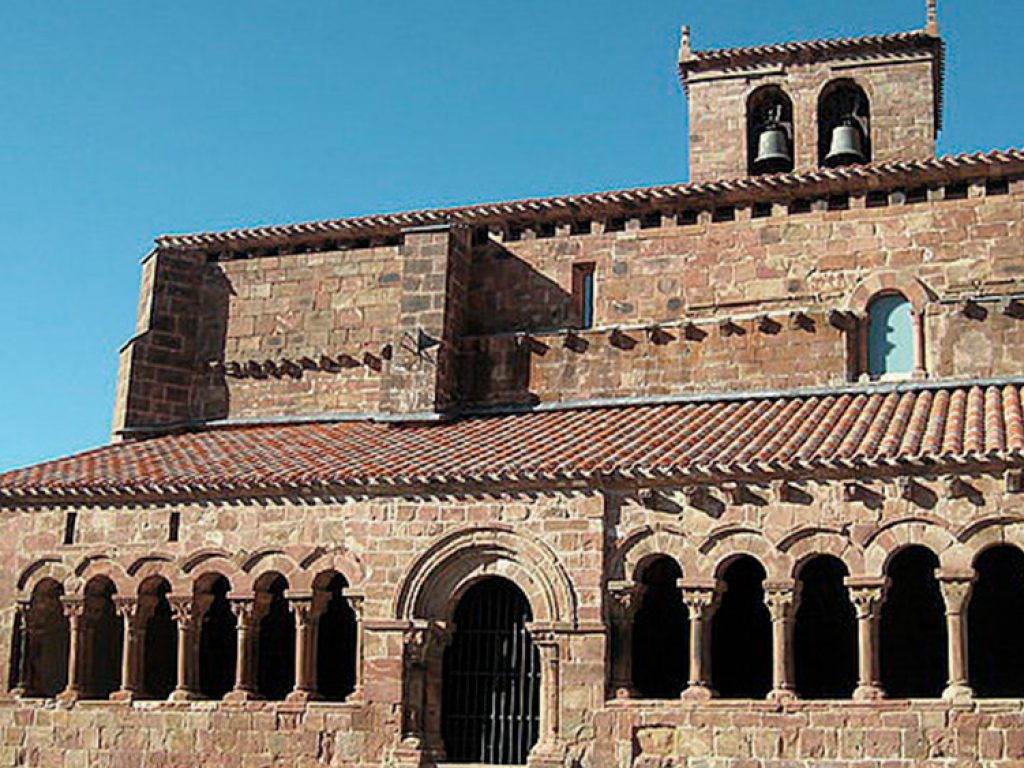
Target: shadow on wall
{"x": 508, "y": 296}
{"x": 210, "y": 394}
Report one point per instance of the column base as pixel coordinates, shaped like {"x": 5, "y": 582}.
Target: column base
{"x": 546, "y": 755}
{"x": 697, "y": 692}
{"x": 123, "y": 695}
{"x": 782, "y": 694}
{"x": 19, "y": 692}
{"x": 958, "y": 693}
{"x": 868, "y": 693}
{"x": 181, "y": 694}
{"x": 240, "y": 694}
{"x": 410, "y": 754}
{"x": 625, "y": 692}
{"x": 303, "y": 696}
{"x": 69, "y": 695}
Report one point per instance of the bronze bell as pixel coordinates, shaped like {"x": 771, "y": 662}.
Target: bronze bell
{"x": 847, "y": 146}
{"x": 773, "y": 153}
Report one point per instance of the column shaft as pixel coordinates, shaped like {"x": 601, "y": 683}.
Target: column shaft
{"x": 781, "y": 603}
{"x": 956, "y": 592}
{"x": 700, "y": 605}
{"x": 867, "y": 601}
{"x": 74, "y": 608}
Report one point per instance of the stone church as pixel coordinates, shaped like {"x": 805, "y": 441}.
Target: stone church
{"x": 723, "y": 473}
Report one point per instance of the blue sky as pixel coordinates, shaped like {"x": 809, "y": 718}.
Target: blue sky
{"x": 124, "y": 120}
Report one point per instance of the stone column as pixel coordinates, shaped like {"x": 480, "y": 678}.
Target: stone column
{"x": 781, "y": 600}
{"x": 956, "y": 592}
{"x": 305, "y": 649}
{"x": 419, "y": 644}
{"x": 356, "y": 602}
{"x": 21, "y": 685}
{"x": 867, "y": 596}
{"x": 245, "y": 662}
{"x": 184, "y": 618}
{"x": 127, "y": 609}
{"x": 74, "y": 609}
{"x": 547, "y": 751}
{"x": 700, "y": 599}
{"x": 626, "y": 598}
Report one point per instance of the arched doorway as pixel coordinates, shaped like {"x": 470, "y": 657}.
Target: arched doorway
{"x": 491, "y": 680}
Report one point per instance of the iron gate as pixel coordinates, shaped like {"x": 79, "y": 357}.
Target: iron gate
{"x": 490, "y": 706}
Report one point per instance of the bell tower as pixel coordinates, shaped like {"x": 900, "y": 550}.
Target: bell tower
{"x": 805, "y": 105}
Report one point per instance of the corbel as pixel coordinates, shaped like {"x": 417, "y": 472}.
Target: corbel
{"x": 728, "y": 327}
{"x": 372, "y": 362}
{"x": 659, "y": 501}
{"x": 1011, "y": 306}
{"x": 854, "y": 491}
{"x": 973, "y": 310}
{"x": 1014, "y": 481}
{"x": 842, "y": 320}
{"x": 693, "y": 332}
{"x": 621, "y": 340}
{"x": 575, "y": 343}
{"x": 658, "y": 335}
{"x": 768, "y": 325}
{"x": 801, "y": 320}
{"x": 791, "y": 493}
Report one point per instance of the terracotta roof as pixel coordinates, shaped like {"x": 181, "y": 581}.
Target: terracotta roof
{"x": 851, "y": 431}
{"x": 727, "y": 192}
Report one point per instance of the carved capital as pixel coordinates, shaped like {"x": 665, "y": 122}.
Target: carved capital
{"x": 956, "y": 591}
{"x": 626, "y": 598}
{"x": 303, "y": 609}
{"x": 424, "y": 639}
{"x": 127, "y": 608}
{"x": 780, "y": 601}
{"x": 74, "y": 608}
{"x": 867, "y": 599}
{"x": 244, "y": 609}
{"x": 182, "y": 610}
{"x": 700, "y": 601}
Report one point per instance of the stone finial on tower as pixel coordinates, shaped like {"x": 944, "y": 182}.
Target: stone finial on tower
{"x": 933, "y": 18}
{"x": 685, "y": 49}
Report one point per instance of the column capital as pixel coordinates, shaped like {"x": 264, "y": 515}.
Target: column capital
{"x": 956, "y": 590}
{"x": 424, "y": 638}
{"x": 781, "y": 598}
{"x": 700, "y": 596}
{"x": 74, "y": 606}
{"x": 303, "y": 608}
{"x": 181, "y": 609}
{"x": 244, "y": 609}
{"x": 626, "y": 598}
{"x": 866, "y": 595}
{"x": 126, "y": 607}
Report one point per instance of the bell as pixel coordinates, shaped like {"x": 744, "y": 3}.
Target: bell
{"x": 847, "y": 146}
{"x": 773, "y": 155}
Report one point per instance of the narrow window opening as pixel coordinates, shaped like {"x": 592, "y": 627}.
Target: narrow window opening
{"x": 689, "y": 217}
{"x": 761, "y": 210}
{"x": 661, "y": 634}
{"x": 890, "y": 336}
{"x": 70, "y": 524}
{"x": 336, "y": 630}
{"x": 546, "y": 229}
{"x": 995, "y": 624}
{"x": 741, "y": 634}
{"x": 800, "y": 206}
{"x": 725, "y": 213}
{"x": 825, "y": 633}
{"x": 174, "y": 526}
{"x": 584, "y": 227}
{"x": 913, "y": 627}
{"x": 615, "y": 224}
{"x": 583, "y": 294}
{"x": 917, "y": 195}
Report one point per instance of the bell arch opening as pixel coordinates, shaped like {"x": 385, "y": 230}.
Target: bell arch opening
{"x": 769, "y": 131}
{"x": 741, "y": 634}
{"x": 490, "y": 711}
{"x": 913, "y": 627}
{"x": 995, "y": 624}
{"x": 844, "y": 125}
{"x": 661, "y": 633}
{"x": 825, "y": 632}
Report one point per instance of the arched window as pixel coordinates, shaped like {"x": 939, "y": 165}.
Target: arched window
{"x": 101, "y": 640}
{"x": 913, "y": 627}
{"x": 159, "y": 640}
{"x": 825, "y": 633}
{"x": 490, "y": 709}
{"x": 741, "y": 634}
{"x": 769, "y": 131}
{"x": 844, "y": 125}
{"x": 336, "y": 644}
{"x": 45, "y": 666}
{"x": 995, "y": 624}
{"x": 217, "y": 637}
{"x": 890, "y": 336}
{"x": 661, "y": 634}
{"x": 275, "y": 640}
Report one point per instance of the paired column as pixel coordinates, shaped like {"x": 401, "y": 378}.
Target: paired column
{"x": 867, "y": 596}
{"x": 306, "y": 620}
{"x": 20, "y": 686}
{"x": 184, "y": 619}
{"x": 626, "y": 598}
{"x": 245, "y": 662}
{"x": 127, "y": 608}
{"x": 700, "y": 599}
{"x": 781, "y": 600}
{"x": 74, "y": 610}
{"x": 956, "y": 592}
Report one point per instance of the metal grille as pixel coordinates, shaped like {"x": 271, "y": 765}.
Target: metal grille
{"x": 491, "y": 681}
